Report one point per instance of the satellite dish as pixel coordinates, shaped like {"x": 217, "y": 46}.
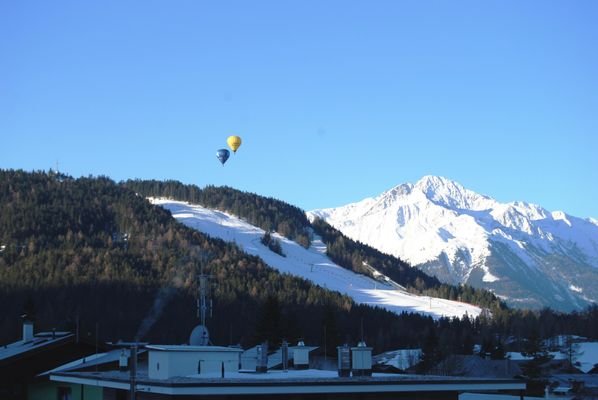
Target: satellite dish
{"x": 199, "y": 336}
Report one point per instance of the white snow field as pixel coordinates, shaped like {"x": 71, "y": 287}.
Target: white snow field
{"x": 311, "y": 264}
{"x": 523, "y": 253}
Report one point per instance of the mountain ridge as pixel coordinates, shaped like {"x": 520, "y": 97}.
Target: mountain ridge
{"x": 461, "y": 236}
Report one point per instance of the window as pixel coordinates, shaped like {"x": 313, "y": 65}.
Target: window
{"x": 64, "y": 393}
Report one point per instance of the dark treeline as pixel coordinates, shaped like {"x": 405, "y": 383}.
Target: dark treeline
{"x": 265, "y": 212}
{"x": 91, "y": 253}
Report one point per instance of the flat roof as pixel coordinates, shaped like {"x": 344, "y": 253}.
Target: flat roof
{"x": 193, "y": 348}
{"x": 291, "y": 382}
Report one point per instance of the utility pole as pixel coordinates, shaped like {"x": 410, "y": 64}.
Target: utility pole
{"x": 133, "y": 370}
{"x": 325, "y": 341}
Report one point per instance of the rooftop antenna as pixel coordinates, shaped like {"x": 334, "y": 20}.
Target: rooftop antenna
{"x": 325, "y": 341}
{"x": 133, "y": 370}
{"x": 362, "y": 330}
{"x": 77, "y": 327}
{"x": 97, "y": 345}
{"x": 200, "y": 335}
{"x": 204, "y": 302}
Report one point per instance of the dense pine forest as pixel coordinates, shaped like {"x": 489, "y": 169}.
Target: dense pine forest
{"x": 95, "y": 254}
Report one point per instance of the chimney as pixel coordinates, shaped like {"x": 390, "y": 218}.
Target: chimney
{"x": 262, "y": 358}
{"x": 301, "y": 356}
{"x": 344, "y": 360}
{"x": 123, "y": 360}
{"x": 361, "y": 360}
{"x": 27, "y": 329}
{"x": 285, "y": 355}
{"x": 133, "y": 370}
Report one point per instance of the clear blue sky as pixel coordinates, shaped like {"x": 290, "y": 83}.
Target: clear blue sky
{"x": 335, "y": 100}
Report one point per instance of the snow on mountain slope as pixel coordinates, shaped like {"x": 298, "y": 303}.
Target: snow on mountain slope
{"x": 524, "y": 253}
{"x": 311, "y": 264}
{"x": 425, "y": 227}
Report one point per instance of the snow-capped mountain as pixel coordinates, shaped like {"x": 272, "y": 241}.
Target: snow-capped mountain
{"x": 312, "y": 264}
{"x": 525, "y": 254}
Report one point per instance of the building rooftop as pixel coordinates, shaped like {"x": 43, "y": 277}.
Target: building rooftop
{"x": 193, "y": 348}
{"x": 90, "y": 361}
{"x": 39, "y": 340}
{"x": 402, "y": 358}
{"x": 280, "y": 382}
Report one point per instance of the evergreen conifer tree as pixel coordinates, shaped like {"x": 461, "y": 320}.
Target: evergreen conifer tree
{"x": 534, "y": 348}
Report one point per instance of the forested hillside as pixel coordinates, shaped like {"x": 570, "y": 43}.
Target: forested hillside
{"x": 501, "y": 323}
{"x": 93, "y": 251}
{"x": 267, "y": 213}
{"x": 97, "y": 254}
{"x": 291, "y": 222}
{"x": 356, "y": 256}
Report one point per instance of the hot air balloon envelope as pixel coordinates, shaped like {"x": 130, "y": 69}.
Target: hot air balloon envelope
{"x": 222, "y": 155}
{"x": 234, "y": 142}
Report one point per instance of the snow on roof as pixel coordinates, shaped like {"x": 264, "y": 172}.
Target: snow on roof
{"x": 561, "y": 340}
{"x": 487, "y": 396}
{"x": 193, "y": 348}
{"x": 278, "y": 378}
{"x": 276, "y": 374}
{"x": 516, "y": 356}
{"x": 85, "y": 361}
{"x": 587, "y": 356}
{"x": 92, "y": 360}
{"x": 39, "y": 340}
{"x": 589, "y": 380}
{"x": 401, "y": 359}
{"x": 312, "y": 264}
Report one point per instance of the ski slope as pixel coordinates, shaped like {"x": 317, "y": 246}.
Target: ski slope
{"x": 311, "y": 264}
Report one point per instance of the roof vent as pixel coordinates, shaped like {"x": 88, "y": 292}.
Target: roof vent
{"x": 27, "y": 330}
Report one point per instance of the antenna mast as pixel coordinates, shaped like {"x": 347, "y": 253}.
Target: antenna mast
{"x": 204, "y": 302}
{"x": 200, "y": 335}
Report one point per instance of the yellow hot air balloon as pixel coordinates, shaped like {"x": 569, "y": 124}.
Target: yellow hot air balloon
{"x": 233, "y": 142}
